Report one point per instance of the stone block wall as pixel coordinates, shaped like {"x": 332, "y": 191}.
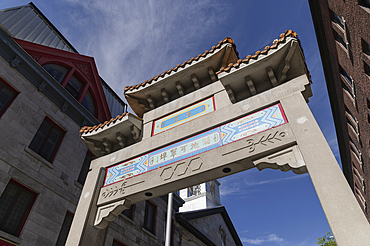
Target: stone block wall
{"x": 53, "y": 182}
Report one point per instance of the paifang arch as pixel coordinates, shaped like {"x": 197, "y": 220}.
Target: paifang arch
{"x": 199, "y": 125}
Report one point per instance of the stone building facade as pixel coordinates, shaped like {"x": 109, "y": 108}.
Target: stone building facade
{"x": 342, "y": 30}
{"x": 47, "y": 93}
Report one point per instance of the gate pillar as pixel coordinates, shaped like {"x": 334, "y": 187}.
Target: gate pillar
{"x": 344, "y": 215}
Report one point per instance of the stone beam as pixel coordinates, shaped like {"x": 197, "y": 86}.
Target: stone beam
{"x": 225, "y": 160}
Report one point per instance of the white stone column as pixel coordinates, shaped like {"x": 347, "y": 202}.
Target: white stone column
{"x": 82, "y": 230}
{"x": 346, "y": 219}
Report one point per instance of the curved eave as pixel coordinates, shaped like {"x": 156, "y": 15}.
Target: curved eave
{"x": 165, "y": 89}
{"x": 112, "y": 135}
{"x": 265, "y": 70}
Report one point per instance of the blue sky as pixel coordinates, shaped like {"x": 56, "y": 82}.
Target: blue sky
{"x": 133, "y": 41}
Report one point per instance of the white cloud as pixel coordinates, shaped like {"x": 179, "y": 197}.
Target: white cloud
{"x": 236, "y": 184}
{"x": 132, "y": 41}
{"x": 270, "y": 238}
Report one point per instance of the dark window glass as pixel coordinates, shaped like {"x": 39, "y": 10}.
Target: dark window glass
{"x": 366, "y": 68}
{"x": 339, "y": 39}
{"x": 63, "y": 234}
{"x": 365, "y": 47}
{"x": 149, "y": 219}
{"x": 7, "y": 95}
{"x": 88, "y": 103}
{"x": 15, "y": 205}
{"x": 346, "y": 88}
{"x": 365, "y": 3}
{"x": 85, "y": 168}
{"x": 345, "y": 75}
{"x": 336, "y": 19}
{"x": 56, "y": 71}
{"x": 47, "y": 140}
{"x": 74, "y": 87}
{"x": 129, "y": 213}
{"x": 116, "y": 243}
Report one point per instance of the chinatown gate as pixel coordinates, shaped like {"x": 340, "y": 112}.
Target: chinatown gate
{"x": 213, "y": 116}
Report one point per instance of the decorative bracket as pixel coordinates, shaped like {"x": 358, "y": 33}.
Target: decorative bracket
{"x": 41, "y": 86}
{"x": 65, "y": 107}
{"x": 285, "y": 160}
{"x": 287, "y": 61}
{"x": 180, "y": 88}
{"x": 15, "y": 62}
{"x": 195, "y": 81}
{"x": 109, "y": 212}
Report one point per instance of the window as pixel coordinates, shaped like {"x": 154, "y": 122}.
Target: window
{"x": 129, "y": 213}
{"x": 85, "y": 168}
{"x": 63, "y": 234}
{"x": 355, "y": 150}
{"x": 88, "y": 103}
{"x": 365, "y": 3}
{"x": 15, "y": 205}
{"x": 212, "y": 188}
{"x": 336, "y": 19}
{"x": 150, "y": 214}
{"x": 345, "y": 75}
{"x": 116, "y": 243}
{"x": 194, "y": 190}
{"x": 56, "y": 71}
{"x": 339, "y": 39}
{"x": 366, "y": 69}
{"x": 75, "y": 85}
{"x": 365, "y": 47}
{"x": 47, "y": 139}
{"x": 7, "y": 95}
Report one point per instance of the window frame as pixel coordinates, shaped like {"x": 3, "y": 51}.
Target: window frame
{"x": 364, "y": 4}
{"x": 73, "y": 73}
{"x": 131, "y": 212}
{"x": 44, "y": 141}
{"x": 29, "y": 208}
{"x": 16, "y": 93}
{"x": 83, "y": 168}
{"x": 117, "y": 243}
{"x": 64, "y": 224}
{"x": 153, "y": 222}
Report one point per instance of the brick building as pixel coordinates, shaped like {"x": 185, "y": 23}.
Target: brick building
{"x": 48, "y": 91}
{"x": 342, "y": 30}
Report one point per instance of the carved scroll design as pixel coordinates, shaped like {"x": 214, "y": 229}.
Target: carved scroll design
{"x": 109, "y": 212}
{"x": 112, "y": 190}
{"x": 271, "y": 138}
{"x": 84, "y": 68}
{"x": 285, "y": 160}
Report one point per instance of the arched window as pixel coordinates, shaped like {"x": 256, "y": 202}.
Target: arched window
{"x": 56, "y": 71}
{"x": 75, "y": 85}
{"x": 88, "y": 103}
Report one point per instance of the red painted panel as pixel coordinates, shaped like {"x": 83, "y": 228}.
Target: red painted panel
{"x": 3, "y": 243}
{"x": 83, "y": 66}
